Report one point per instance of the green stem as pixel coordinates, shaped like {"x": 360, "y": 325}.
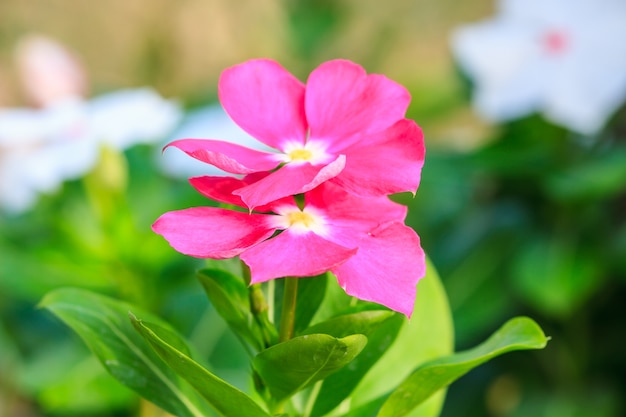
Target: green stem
{"x": 260, "y": 309}
{"x": 288, "y": 315}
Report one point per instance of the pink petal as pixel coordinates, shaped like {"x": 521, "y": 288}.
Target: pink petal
{"x": 265, "y": 100}
{"x": 227, "y": 156}
{"x": 208, "y": 232}
{"x": 343, "y": 101}
{"x": 346, "y": 211}
{"x": 290, "y": 179}
{"x": 385, "y": 163}
{"x": 386, "y": 269}
{"x": 294, "y": 255}
{"x": 221, "y": 189}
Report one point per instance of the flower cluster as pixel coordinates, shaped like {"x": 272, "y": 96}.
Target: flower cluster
{"x": 319, "y": 202}
{"x": 565, "y": 59}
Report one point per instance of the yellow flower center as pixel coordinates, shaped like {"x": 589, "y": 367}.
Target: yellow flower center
{"x": 300, "y": 155}
{"x": 301, "y": 219}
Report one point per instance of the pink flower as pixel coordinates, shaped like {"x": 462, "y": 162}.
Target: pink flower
{"x": 49, "y": 72}
{"x": 344, "y": 126}
{"x": 362, "y": 240}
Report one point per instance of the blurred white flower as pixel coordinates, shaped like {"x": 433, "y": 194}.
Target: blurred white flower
{"x": 128, "y": 117}
{"x": 563, "y": 58}
{"x": 210, "y": 122}
{"x": 41, "y": 148}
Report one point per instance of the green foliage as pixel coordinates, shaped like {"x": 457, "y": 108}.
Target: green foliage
{"x": 313, "y": 290}
{"x": 226, "y": 399}
{"x": 380, "y": 327}
{"x": 601, "y": 175}
{"x": 517, "y": 334}
{"x": 354, "y": 358}
{"x": 231, "y": 299}
{"x": 103, "y": 325}
{"x": 555, "y": 275}
{"x": 291, "y": 366}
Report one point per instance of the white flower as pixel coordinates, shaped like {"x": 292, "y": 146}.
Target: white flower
{"x": 563, "y": 58}
{"x": 128, "y": 117}
{"x": 210, "y": 122}
{"x": 41, "y": 148}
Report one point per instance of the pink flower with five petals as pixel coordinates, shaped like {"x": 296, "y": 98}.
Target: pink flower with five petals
{"x": 361, "y": 240}
{"x": 343, "y": 126}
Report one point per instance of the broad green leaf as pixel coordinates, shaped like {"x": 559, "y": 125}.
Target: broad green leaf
{"x": 230, "y": 297}
{"x": 364, "y": 322}
{"x": 364, "y": 410}
{"x": 380, "y": 327}
{"x": 517, "y": 334}
{"x": 102, "y": 323}
{"x": 226, "y": 399}
{"x": 427, "y": 335}
{"x": 290, "y": 366}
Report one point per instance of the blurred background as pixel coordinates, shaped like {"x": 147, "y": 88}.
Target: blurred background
{"x": 521, "y": 216}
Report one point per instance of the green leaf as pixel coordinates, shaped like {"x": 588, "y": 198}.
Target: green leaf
{"x": 364, "y": 322}
{"x": 517, "y": 334}
{"x": 102, "y": 323}
{"x": 47, "y": 268}
{"x": 55, "y": 372}
{"x": 295, "y": 364}
{"x": 334, "y": 302}
{"x": 380, "y": 327}
{"x": 226, "y": 399}
{"x": 556, "y": 274}
{"x": 427, "y": 335}
{"x": 230, "y": 297}
{"x": 312, "y": 290}
{"x": 598, "y": 176}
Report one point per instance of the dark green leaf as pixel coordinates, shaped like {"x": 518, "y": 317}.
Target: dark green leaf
{"x": 334, "y": 302}
{"x": 517, "y": 334}
{"x": 103, "y": 324}
{"x": 230, "y": 297}
{"x": 312, "y": 290}
{"x": 226, "y": 399}
{"x": 295, "y": 364}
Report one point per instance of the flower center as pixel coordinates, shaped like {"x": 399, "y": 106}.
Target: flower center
{"x": 313, "y": 152}
{"x": 300, "y": 155}
{"x": 555, "y": 41}
{"x": 300, "y": 218}
{"x": 300, "y": 221}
